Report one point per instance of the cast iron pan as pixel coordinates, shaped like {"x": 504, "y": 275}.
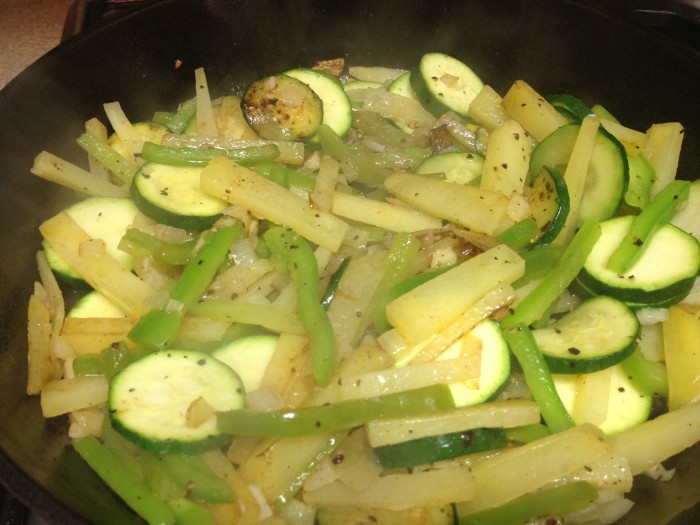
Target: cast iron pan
{"x": 567, "y": 46}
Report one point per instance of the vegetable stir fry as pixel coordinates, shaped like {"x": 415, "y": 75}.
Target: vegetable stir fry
{"x": 366, "y": 295}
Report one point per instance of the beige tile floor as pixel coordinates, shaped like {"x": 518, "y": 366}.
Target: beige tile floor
{"x": 28, "y": 29}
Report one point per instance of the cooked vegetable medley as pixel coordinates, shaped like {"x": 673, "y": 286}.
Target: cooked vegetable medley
{"x": 358, "y": 295}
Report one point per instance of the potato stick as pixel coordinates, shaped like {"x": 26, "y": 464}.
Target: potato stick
{"x": 235, "y": 311}
{"x": 484, "y": 308}
{"x": 326, "y": 180}
{"x": 206, "y": 123}
{"x": 98, "y": 130}
{"x": 54, "y": 169}
{"x": 593, "y": 393}
{"x": 631, "y": 139}
{"x": 497, "y": 414}
{"x": 487, "y": 108}
{"x": 662, "y": 149}
{"x": 123, "y": 127}
{"x": 681, "y": 333}
{"x": 100, "y": 269}
{"x": 41, "y": 366}
{"x": 533, "y": 465}
{"x": 670, "y": 433}
{"x": 391, "y": 217}
{"x": 266, "y": 199}
{"x": 430, "y": 488}
{"x": 532, "y": 111}
{"x": 390, "y": 380}
{"x": 575, "y": 176}
{"x": 507, "y": 159}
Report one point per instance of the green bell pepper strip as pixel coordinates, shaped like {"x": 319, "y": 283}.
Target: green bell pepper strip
{"x": 124, "y": 482}
{"x": 158, "y": 328}
{"x": 527, "y": 433}
{"x": 554, "y": 501}
{"x": 188, "y": 512}
{"x": 331, "y": 143}
{"x": 299, "y": 259}
{"x": 538, "y": 378}
{"x": 174, "y": 156}
{"x": 285, "y": 176}
{"x": 179, "y": 121}
{"x": 654, "y": 215}
{"x": 200, "y": 481}
{"x": 137, "y": 242}
{"x": 333, "y": 417}
{"x": 534, "y": 305}
{"x": 107, "y": 156}
{"x": 539, "y": 261}
{"x": 648, "y": 376}
{"x": 520, "y": 234}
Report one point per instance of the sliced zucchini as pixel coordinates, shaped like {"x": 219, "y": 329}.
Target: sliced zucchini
{"x": 94, "y": 304}
{"x": 441, "y": 447}
{"x": 443, "y": 83}
{"x": 549, "y": 204}
{"x": 152, "y": 400}
{"x": 337, "y": 109}
{"x": 571, "y": 107}
{"x": 172, "y": 195}
{"x": 641, "y": 180}
{"x": 597, "y": 334}
{"x": 459, "y": 167}
{"x": 607, "y": 178}
{"x": 495, "y": 366}
{"x": 280, "y": 107}
{"x": 362, "y": 84}
{"x": 105, "y": 218}
{"x": 627, "y": 405}
{"x": 662, "y": 276}
{"x": 445, "y": 515}
{"x": 249, "y": 357}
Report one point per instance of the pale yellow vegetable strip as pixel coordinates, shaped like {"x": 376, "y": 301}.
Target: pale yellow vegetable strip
{"x": 532, "y": 111}
{"x": 487, "y": 108}
{"x": 236, "y": 311}
{"x": 348, "y": 312}
{"x": 576, "y": 175}
{"x": 359, "y": 464}
{"x": 468, "y": 206}
{"x": 41, "y": 366}
{"x": 98, "y": 268}
{"x": 496, "y": 414}
{"x": 658, "y": 439}
{"x": 432, "y": 306}
{"x": 662, "y": 149}
{"x": 430, "y": 488}
{"x": 383, "y": 214}
{"x": 375, "y": 73}
{"x": 55, "y": 169}
{"x": 592, "y": 397}
{"x": 406, "y": 110}
{"x": 494, "y": 301}
{"x": 611, "y": 471}
{"x": 400, "y": 379}
{"x": 206, "y": 123}
{"x": 289, "y": 361}
{"x": 326, "y": 180}
{"x": 68, "y": 395}
{"x": 92, "y": 334}
{"x": 507, "y": 159}
{"x": 631, "y": 139}
{"x": 123, "y": 127}
{"x": 238, "y": 185}
{"x": 290, "y": 152}
{"x": 681, "y": 342}
{"x": 533, "y": 465}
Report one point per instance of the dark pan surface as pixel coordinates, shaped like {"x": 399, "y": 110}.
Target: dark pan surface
{"x": 566, "y": 46}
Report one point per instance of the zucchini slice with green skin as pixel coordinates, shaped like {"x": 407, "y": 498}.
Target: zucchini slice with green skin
{"x": 495, "y": 366}
{"x": 569, "y": 106}
{"x": 105, "y": 218}
{"x": 248, "y": 357}
{"x": 281, "y": 107}
{"x": 662, "y": 276}
{"x": 608, "y": 172}
{"x": 171, "y": 195}
{"x": 443, "y": 83}
{"x": 441, "y": 447}
{"x": 337, "y": 109}
{"x": 628, "y": 406}
{"x": 149, "y": 400}
{"x": 597, "y": 334}
{"x": 402, "y": 86}
{"x": 459, "y": 167}
{"x": 445, "y": 515}
{"x": 94, "y": 304}
{"x": 686, "y": 218}
{"x": 549, "y": 203}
